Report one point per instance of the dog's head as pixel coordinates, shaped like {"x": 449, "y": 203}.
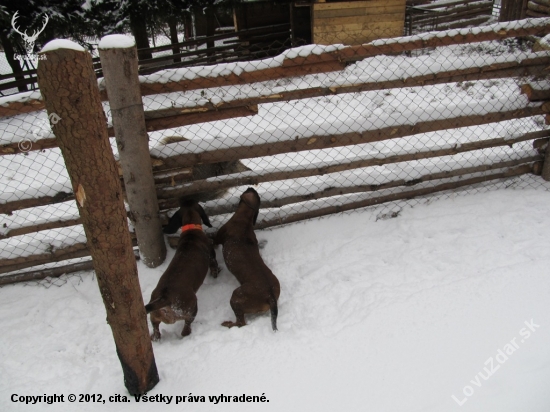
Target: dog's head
{"x": 189, "y": 212}
{"x": 252, "y": 199}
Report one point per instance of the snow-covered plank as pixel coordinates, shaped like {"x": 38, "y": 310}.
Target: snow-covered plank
{"x": 422, "y": 72}
{"x": 361, "y": 130}
{"x": 315, "y": 60}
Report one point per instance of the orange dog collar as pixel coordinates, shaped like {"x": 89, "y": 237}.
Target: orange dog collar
{"x": 190, "y": 227}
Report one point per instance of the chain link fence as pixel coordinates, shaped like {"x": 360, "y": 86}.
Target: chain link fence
{"x": 383, "y": 126}
{"x": 467, "y": 113}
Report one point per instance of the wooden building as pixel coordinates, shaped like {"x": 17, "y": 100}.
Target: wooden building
{"x": 356, "y": 22}
{"x": 325, "y": 21}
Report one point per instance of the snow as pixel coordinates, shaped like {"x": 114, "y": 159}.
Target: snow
{"x": 61, "y": 44}
{"x": 20, "y": 97}
{"x": 545, "y": 41}
{"x": 390, "y": 314}
{"x": 237, "y": 68}
{"x": 116, "y": 41}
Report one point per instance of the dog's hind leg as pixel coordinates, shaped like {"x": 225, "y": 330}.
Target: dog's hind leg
{"x": 187, "y": 328}
{"x": 189, "y": 320}
{"x": 237, "y": 300}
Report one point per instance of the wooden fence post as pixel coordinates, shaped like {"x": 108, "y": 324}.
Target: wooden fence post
{"x": 69, "y": 88}
{"x": 119, "y": 62}
{"x": 546, "y": 165}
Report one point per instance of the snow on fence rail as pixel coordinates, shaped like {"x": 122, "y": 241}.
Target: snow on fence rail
{"x": 318, "y": 130}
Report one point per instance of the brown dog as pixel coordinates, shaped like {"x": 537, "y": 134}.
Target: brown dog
{"x": 175, "y": 298}
{"x": 260, "y": 289}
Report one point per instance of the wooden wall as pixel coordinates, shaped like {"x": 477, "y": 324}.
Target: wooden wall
{"x": 357, "y": 22}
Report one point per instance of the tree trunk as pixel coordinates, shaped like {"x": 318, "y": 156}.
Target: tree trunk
{"x": 173, "y": 26}
{"x": 120, "y": 68}
{"x": 10, "y": 52}
{"x": 69, "y": 88}
{"x": 210, "y": 29}
{"x": 138, "y": 25}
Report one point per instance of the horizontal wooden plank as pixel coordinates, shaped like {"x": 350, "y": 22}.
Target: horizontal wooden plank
{"x": 462, "y": 15}
{"x": 445, "y": 4}
{"x": 27, "y": 145}
{"x": 326, "y": 14}
{"x": 357, "y": 37}
{"x": 346, "y": 139}
{"x": 382, "y": 8}
{"x": 465, "y": 23}
{"x": 313, "y": 193}
{"x": 359, "y": 27}
{"x": 361, "y": 21}
{"x": 39, "y": 274}
{"x": 407, "y": 194}
{"x": 155, "y": 122}
{"x": 357, "y": 33}
{"x": 33, "y": 228}
{"x": 350, "y": 4}
{"x": 374, "y": 7}
{"x": 69, "y": 252}
{"x": 248, "y": 178}
{"x": 15, "y": 108}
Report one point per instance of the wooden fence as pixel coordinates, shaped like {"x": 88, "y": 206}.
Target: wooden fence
{"x": 444, "y": 15}
{"x": 173, "y": 174}
{"x": 251, "y": 44}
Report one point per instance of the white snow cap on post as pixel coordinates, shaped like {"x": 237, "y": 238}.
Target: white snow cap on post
{"x": 61, "y": 44}
{"x": 116, "y": 41}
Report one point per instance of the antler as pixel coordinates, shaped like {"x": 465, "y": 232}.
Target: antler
{"x": 36, "y": 33}
{"x": 26, "y": 37}
{"x": 13, "y": 25}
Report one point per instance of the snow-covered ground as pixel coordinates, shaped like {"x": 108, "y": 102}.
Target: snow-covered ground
{"x": 445, "y": 305}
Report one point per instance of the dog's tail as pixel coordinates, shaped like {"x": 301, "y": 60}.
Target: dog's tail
{"x": 156, "y": 304}
{"x": 274, "y": 310}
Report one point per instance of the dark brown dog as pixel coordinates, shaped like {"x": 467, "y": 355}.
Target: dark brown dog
{"x": 260, "y": 289}
{"x": 175, "y": 298}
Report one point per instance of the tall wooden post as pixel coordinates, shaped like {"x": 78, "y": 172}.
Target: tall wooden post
{"x": 119, "y": 63}
{"x": 69, "y": 88}
{"x": 546, "y": 165}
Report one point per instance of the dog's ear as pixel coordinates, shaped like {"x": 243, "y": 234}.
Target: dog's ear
{"x": 173, "y": 224}
{"x": 204, "y": 218}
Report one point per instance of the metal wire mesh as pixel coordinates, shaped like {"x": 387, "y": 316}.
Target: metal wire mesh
{"x": 339, "y": 116}
{"x": 390, "y": 128}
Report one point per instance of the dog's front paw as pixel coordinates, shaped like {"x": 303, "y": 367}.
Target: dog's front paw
{"x": 155, "y": 337}
{"x": 215, "y": 272}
